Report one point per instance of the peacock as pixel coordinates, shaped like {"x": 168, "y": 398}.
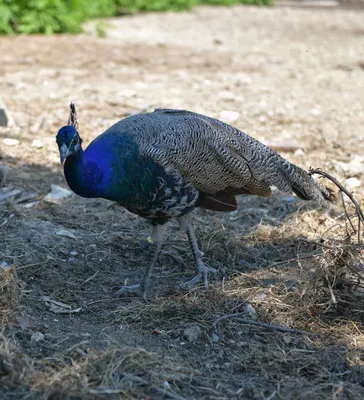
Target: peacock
{"x": 163, "y": 164}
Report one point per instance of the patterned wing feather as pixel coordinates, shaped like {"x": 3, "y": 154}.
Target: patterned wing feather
{"x": 216, "y": 157}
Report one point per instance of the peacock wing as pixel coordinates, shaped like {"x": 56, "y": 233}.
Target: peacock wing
{"x": 214, "y": 156}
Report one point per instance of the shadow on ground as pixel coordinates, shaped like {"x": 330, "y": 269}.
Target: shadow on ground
{"x": 268, "y": 255}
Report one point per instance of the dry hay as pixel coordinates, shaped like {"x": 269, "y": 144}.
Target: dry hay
{"x": 9, "y": 293}
{"x": 317, "y": 296}
{"x": 302, "y": 273}
{"x": 120, "y": 372}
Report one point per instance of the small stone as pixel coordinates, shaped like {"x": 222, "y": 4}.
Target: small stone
{"x": 354, "y": 167}
{"x": 37, "y": 337}
{"x": 250, "y": 311}
{"x": 192, "y": 333}
{"x": 299, "y": 153}
{"x": 73, "y": 253}
{"x": 352, "y": 183}
{"x": 57, "y": 195}
{"x": 37, "y": 143}
{"x": 31, "y": 204}
{"x": 11, "y": 142}
{"x": 4, "y": 265}
{"x": 229, "y": 116}
{"x": 127, "y": 93}
{"x": 290, "y": 199}
{"x": 315, "y": 111}
{"x": 215, "y": 338}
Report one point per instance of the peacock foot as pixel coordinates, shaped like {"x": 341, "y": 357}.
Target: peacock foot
{"x": 137, "y": 289}
{"x": 201, "y": 275}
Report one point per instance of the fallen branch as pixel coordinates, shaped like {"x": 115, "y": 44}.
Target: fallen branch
{"x": 358, "y": 210}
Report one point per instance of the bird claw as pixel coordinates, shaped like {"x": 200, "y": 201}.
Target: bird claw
{"x": 201, "y": 275}
{"x": 137, "y": 289}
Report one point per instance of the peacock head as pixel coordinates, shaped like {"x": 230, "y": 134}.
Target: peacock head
{"x": 68, "y": 139}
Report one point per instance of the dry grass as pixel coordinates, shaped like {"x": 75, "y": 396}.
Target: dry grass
{"x": 121, "y": 371}
{"x": 9, "y": 293}
{"x": 319, "y": 291}
{"x": 296, "y": 267}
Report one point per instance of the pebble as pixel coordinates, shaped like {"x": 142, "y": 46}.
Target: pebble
{"x": 37, "y": 337}
{"x": 11, "y": 142}
{"x": 354, "y": 167}
{"x": 215, "y": 338}
{"x": 229, "y": 116}
{"x": 299, "y": 153}
{"x": 315, "y": 111}
{"x": 290, "y": 199}
{"x": 73, "y": 253}
{"x": 127, "y": 93}
{"x": 4, "y": 265}
{"x": 37, "y": 143}
{"x": 192, "y": 333}
{"x": 352, "y": 183}
{"x": 250, "y": 311}
{"x": 57, "y": 195}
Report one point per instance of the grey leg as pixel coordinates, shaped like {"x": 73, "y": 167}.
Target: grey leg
{"x": 202, "y": 269}
{"x": 142, "y": 288}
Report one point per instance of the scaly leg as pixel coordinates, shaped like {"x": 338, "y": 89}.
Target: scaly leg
{"x": 142, "y": 288}
{"x": 202, "y": 269}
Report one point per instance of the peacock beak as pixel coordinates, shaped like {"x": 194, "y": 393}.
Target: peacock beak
{"x": 64, "y": 153}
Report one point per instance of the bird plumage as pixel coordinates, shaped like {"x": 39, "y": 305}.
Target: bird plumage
{"x": 163, "y": 164}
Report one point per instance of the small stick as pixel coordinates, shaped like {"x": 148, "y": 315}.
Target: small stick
{"x": 75, "y": 346}
{"x": 264, "y": 325}
{"x": 326, "y": 246}
{"x": 332, "y": 294}
{"x": 347, "y": 215}
{"x": 89, "y": 278}
{"x": 32, "y": 265}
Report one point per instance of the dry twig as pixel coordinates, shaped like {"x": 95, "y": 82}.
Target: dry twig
{"x": 358, "y": 210}
{"x": 263, "y": 325}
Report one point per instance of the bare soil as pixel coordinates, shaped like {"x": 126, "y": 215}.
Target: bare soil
{"x": 295, "y": 77}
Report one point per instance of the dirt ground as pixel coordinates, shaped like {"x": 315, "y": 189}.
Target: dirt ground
{"x": 293, "y": 78}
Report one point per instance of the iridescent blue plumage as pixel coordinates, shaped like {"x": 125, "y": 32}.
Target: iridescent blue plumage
{"x": 112, "y": 167}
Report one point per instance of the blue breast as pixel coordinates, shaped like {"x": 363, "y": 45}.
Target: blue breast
{"x": 114, "y": 169}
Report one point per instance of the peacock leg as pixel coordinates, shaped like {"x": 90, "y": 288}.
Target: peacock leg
{"x": 202, "y": 269}
{"x": 142, "y": 288}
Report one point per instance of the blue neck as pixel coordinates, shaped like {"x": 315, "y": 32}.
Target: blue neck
{"x": 83, "y": 179}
